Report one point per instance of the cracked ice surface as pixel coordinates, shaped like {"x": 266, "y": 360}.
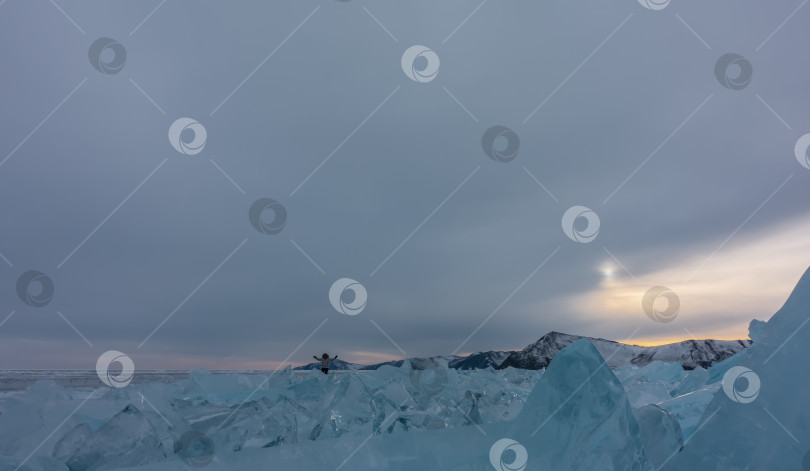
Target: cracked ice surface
{"x": 242, "y": 417}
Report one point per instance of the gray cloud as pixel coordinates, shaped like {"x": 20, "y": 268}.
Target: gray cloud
{"x": 305, "y": 103}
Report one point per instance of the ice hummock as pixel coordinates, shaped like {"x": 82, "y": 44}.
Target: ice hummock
{"x": 661, "y": 433}
{"x": 586, "y": 416}
{"x": 390, "y": 418}
{"x": 773, "y": 430}
{"x": 578, "y": 417}
{"x": 127, "y": 439}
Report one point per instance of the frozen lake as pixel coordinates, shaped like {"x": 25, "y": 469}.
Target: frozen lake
{"x": 14, "y": 380}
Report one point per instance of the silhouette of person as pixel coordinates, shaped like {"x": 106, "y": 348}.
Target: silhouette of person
{"x": 324, "y": 359}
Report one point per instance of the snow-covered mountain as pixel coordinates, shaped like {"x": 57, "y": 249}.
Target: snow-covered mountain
{"x": 480, "y": 360}
{"x": 689, "y": 353}
{"x": 416, "y": 363}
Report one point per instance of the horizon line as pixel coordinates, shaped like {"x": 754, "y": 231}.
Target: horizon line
{"x": 292, "y": 365}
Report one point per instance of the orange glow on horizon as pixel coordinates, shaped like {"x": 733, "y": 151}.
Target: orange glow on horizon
{"x": 719, "y": 291}
{"x": 657, "y": 341}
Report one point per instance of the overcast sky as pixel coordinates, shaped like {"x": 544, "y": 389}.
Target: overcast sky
{"x": 380, "y": 168}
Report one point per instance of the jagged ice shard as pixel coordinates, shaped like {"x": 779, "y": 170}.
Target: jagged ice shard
{"x": 767, "y": 425}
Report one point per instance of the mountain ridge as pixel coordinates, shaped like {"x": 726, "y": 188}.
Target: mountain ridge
{"x": 689, "y": 353}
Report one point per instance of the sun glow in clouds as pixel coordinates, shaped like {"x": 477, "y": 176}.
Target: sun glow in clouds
{"x": 607, "y": 270}
{"x": 748, "y": 278}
